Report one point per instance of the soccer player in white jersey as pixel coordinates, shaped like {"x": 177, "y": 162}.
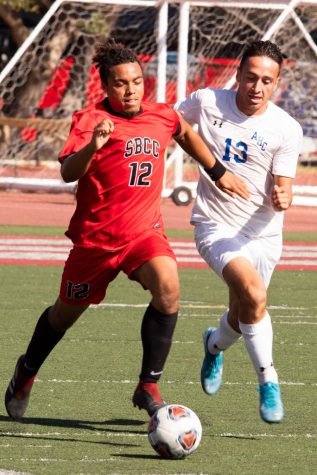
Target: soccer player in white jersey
{"x": 240, "y": 239}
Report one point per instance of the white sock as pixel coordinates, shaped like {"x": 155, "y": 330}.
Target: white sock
{"x": 223, "y": 337}
{"x": 258, "y": 339}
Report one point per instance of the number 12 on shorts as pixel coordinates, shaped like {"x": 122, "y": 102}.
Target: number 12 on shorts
{"x": 77, "y": 291}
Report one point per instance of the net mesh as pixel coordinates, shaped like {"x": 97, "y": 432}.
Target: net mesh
{"x": 55, "y": 77}
{"x": 217, "y": 37}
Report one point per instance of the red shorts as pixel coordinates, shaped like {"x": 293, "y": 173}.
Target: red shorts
{"x": 88, "y": 271}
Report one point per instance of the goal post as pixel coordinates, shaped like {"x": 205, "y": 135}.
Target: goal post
{"x": 184, "y": 45}
{"x": 217, "y": 35}
{"x": 51, "y": 75}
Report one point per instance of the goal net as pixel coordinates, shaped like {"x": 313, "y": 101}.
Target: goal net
{"x": 217, "y": 35}
{"x": 52, "y": 75}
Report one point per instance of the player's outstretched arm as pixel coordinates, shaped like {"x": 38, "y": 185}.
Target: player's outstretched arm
{"x": 282, "y": 193}
{"x": 193, "y": 144}
{"x": 75, "y": 165}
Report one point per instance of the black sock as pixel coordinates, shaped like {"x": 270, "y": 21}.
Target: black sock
{"x": 42, "y": 343}
{"x": 156, "y": 332}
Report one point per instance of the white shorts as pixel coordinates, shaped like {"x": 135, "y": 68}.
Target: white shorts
{"x": 218, "y": 244}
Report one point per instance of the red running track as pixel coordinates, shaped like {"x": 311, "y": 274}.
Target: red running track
{"x": 47, "y": 209}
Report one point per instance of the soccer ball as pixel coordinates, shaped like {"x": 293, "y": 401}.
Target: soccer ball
{"x": 174, "y": 431}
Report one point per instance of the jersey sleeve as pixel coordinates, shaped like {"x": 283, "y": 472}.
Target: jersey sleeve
{"x": 177, "y": 126}
{"x": 190, "y": 107}
{"x": 285, "y": 159}
{"x": 174, "y": 118}
{"x": 79, "y": 136}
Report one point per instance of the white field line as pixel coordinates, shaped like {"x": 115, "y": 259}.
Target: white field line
{"x": 305, "y": 253}
{"x": 297, "y": 262}
{"x": 66, "y": 242}
{"x": 11, "y": 472}
{"x": 28, "y": 248}
{"x": 34, "y": 256}
{"x": 276, "y": 322}
{"x": 297, "y": 323}
{"x": 137, "y": 435}
{"x": 37, "y": 249}
{"x": 193, "y": 306}
{"x": 133, "y": 382}
{"x": 109, "y": 459}
{"x": 219, "y": 307}
{"x": 34, "y": 241}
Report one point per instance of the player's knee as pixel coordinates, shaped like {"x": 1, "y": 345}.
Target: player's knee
{"x": 255, "y": 298}
{"x": 166, "y": 297}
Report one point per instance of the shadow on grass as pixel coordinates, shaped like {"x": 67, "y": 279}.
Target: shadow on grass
{"x": 143, "y": 456}
{"x": 105, "y": 426}
{"x": 78, "y": 424}
{"x": 101, "y": 427}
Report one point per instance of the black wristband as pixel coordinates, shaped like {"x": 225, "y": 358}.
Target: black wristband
{"x": 217, "y": 171}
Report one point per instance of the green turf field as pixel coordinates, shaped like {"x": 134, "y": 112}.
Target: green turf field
{"x": 81, "y": 419}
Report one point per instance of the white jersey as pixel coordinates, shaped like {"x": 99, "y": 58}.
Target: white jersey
{"x": 252, "y": 147}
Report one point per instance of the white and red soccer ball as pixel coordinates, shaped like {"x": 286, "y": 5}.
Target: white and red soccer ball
{"x": 174, "y": 431}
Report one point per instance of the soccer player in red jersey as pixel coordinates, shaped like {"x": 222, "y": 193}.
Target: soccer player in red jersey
{"x": 116, "y": 150}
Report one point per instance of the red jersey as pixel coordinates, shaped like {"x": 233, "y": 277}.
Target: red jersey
{"x": 119, "y": 196}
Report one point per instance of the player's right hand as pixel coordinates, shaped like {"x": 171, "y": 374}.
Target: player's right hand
{"x": 101, "y": 133}
{"x": 233, "y": 185}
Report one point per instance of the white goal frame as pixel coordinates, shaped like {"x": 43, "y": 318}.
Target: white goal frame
{"x": 284, "y": 9}
{"x": 287, "y": 9}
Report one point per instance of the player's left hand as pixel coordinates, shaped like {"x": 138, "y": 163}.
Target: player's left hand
{"x": 280, "y": 198}
{"x": 233, "y": 185}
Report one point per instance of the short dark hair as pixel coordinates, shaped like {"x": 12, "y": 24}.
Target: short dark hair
{"x": 109, "y": 54}
{"x": 263, "y": 48}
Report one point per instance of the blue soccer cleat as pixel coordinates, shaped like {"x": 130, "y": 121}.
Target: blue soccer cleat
{"x": 211, "y": 370}
{"x": 271, "y": 406}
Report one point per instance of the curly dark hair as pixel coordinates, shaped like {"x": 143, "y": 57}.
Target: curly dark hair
{"x": 109, "y": 54}
{"x": 263, "y": 48}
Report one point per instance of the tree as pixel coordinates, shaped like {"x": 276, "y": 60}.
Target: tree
{"x": 10, "y": 13}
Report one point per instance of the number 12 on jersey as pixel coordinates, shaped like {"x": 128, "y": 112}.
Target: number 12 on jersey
{"x": 140, "y": 172}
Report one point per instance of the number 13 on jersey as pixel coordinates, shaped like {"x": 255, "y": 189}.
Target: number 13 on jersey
{"x": 241, "y": 158}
